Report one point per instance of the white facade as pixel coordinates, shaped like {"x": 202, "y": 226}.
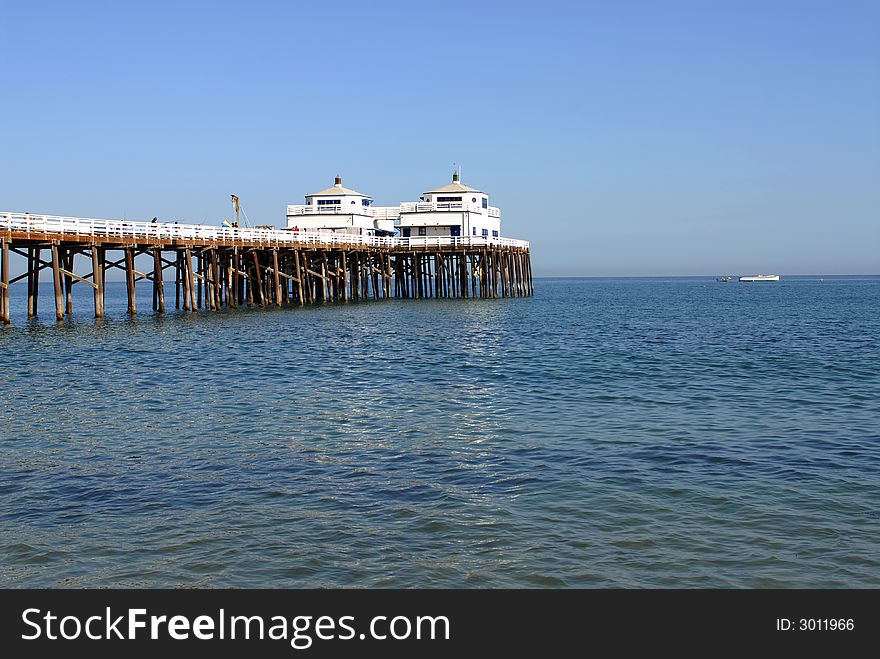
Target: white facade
{"x": 452, "y": 210}
{"x": 341, "y": 210}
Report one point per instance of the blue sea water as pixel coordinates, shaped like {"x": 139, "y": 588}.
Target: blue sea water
{"x": 605, "y": 433}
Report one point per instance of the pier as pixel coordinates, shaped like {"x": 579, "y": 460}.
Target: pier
{"x": 216, "y": 267}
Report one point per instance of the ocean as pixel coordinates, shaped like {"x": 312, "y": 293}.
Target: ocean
{"x": 604, "y": 433}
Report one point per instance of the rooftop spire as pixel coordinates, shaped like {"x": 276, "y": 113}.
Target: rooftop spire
{"x": 338, "y": 182}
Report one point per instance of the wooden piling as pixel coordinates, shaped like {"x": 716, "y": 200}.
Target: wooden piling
{"x": 158, "y": 283}
{"x": 38, "y": 268}
{"x": 98, "y": 279}
{"x": 529, "y": 268}
{"x": 306, "y": 279}
{"x": 343, "y": 261}
{"x": 5, "y": 313}
{"x": 31, "y": 283}
{"x": 496, "y": 274}
{"x": 299, "y": 277}
{"x": 377, "y": 275}
{"x": 129, "y": 281}
{"x": 258, "y": 281}
{"x": 178, "y": 282}
{"x": 56, "y": 280}
{"x": 67, "y": 256}
{"x": 189, "y": 293}
{"x": 200, "y": 268}
{"x": 208, "y": 269}
{"x": 517, "y": 262}
{"x": 365, "y": 275}
{"x": 276, "y": 277}
{"x": 227, "y": 278}
{"x": 217, "y": 281}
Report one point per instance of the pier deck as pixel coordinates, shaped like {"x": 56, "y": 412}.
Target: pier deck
{"x": 215, "y": 267}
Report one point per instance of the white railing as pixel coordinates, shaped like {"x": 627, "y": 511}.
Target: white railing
{"x": 425, "y": 207}
{"x": 462, "y": 241}
{"x": 37, "y": 226}
{"x": 385, "y": 212}
{"x": 333, "y": 209}
{"x": 376, "y": 212}
{"x": 388, "y": 212}
{"x": 428, "y": 207}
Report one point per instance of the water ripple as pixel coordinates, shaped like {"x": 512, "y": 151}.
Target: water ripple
{"x": 604, "y": 433}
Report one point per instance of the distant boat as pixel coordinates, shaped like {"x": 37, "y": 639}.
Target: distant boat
{"x": 723, "y": 279}
{"x": 760, "y": 278}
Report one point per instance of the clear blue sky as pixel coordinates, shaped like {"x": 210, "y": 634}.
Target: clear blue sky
{"x": 621, "y": 138}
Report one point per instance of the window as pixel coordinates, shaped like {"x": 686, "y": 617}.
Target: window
{"x": 485, "y": 202}
{"x": 494, "y": 234}
{"x": 475, "y": 231}
{"x": 365, "y": 202}
{"x": 421, "y": 231}
{"x": 329, "y": 202}
{"x": 474, "y": 199}
{"x": 406, "y": 231}
{"x": 485, "y": 233}
{"x": 454, "y": 231}
{"x": 442, "y": 200}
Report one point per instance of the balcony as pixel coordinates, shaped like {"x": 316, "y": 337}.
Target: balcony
{"x": 375, "y": 212}
{"x": 385, "y": 212}
{"x": 430, "y": 207}
{"x": 335, "y": 209}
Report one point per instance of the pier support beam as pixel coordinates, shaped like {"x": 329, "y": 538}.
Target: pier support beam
{"x": 189, "y": 298}
{"x": 375, "y": 271}
{"x": 277, "y": 277}
{"x": 258, "y": 278}
{"x": 248, "y": 284}
{"x": 67, "y": 258}
{"x": 528, "y": 259}
{"x": 38, "y": 268}
{"x": 56, "y": 280}
{"x": 217, "y": 282}
{"x": 299, "y": 278}
{"x": 129, "y": 281}
{"x": 200, "y": 269}
{"x": 226, "y": 270}
{"x": 178, "y": 282}
{"x": 236, "y": 279}
{"x": 98, "y": 279}
{"x": 5, "y": 314}
{"x": 158, "y": 283}
{"x": 32, "y": 282}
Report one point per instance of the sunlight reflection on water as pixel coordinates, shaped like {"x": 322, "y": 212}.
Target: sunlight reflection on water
{"x": 603, "y": 433}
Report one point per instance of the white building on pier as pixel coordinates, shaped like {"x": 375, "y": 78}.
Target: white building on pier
{"x": 452, "y": 210}
{"x": 342, "y": 210}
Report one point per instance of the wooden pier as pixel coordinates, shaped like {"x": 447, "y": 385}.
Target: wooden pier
{"x": 222, "y": 267}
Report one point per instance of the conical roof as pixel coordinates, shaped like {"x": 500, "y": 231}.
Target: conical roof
{"x": 455, "y": 186}
{"x": 337, "y": 189}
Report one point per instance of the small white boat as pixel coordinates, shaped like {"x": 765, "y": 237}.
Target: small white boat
{"x": 760, "y": 278}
